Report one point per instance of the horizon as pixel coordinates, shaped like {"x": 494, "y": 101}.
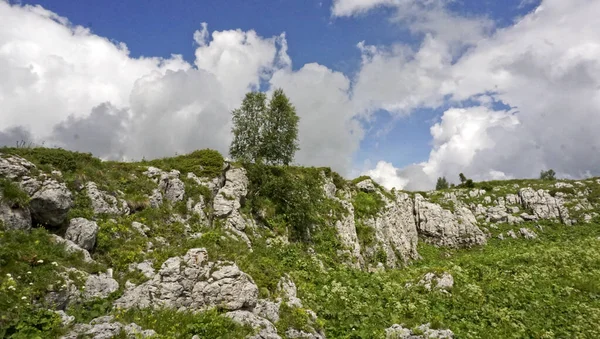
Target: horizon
{"x": 403, "y": 91}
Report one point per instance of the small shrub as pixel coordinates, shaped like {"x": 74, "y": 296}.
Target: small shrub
{"x": 12, "y": 194}
{"x": 367, "y": 204}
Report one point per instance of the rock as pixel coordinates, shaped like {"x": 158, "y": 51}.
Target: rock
{"x": 500, "y": 236}
{"x": 513, "y": 199}
{"x": 13, "y": 167}
{"x": 156, "y": 198}
{"x": 145, "y": 267}
{"x": 105, "y": 328}
{"x": 563, "y": 185}
{"x": 104, "y": 203}
{"x": 192, "y": 282}
{"x": 51, "y": 203}
{"x": 543, "y": 205}
{"x": 287, "y": 289}
{"x": 444, "y": 228}
{"x": 267, "y": 309}
{"x": 399, "y": 332}
{"x": 487, "y": 200}
{"x": 528, "y": 217}
{"x": 346, "y": 230}
{"x": 512, "y": 220}
{"x": 82, "y": 232}
{"x": 14, "y": 217}
{"x": 367, "y": 186}
{"x": 265, "y": 328}
{"x": 140, "y": 228}
{"x": 135, "y": 331}
{"x": 59, "y": 297}
{"x": 511, "y": 234}
{"x": 213, "y": 184}
{"x": 431, "y": 280}
{"x": 172, "y": 187}
{"x": 328, "y": 186}
{"x": 527, "y": 234}
{"x": 72, "y": 247}
{"x": 293, "y": 333}
{"x": 229, "y": 196}
{"x": 65, "y": 319}
{"x": 396, "y": 230}
{"x": 100, "y": 286}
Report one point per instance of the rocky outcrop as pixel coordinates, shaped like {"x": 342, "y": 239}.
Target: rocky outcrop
{"x": 13, "y": 167}
{"x": 169, "y": 186}
{"x": 443, "y": 281}
{"x": 443, "y": 228}
{"x": 100, "y": 285}
{"x": 50, "y": 204}
{"x": 72, "y": 247}
{"x": 194, "y": 283}
{"x": 543, "y": 205}
{"x": 367, "y": 186}
{"x": 228, "y": 201}
{"x": 104, "y": 203}
{"x": 82, "y": 232}
{"x": 425, "y": 332}
{"x": 263, "y": 327}
{"x": 105, "y": 328}
{"x": 14, "y": 217}
{"x": 396, "y": 230}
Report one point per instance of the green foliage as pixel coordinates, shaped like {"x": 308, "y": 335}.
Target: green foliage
{"x": 441, "y": 184}
{"x": 292, "y": 317}
{"x": 57, "y": 158}
{"x": 365, "y": 234}
{"x": 548, "y": 175}
{"x": 29, "y": 263}
{"x": 462, "y": 178}
{"x": 172, "y": 324}
{"x": 367, "y": 204}
{"x": 12, "y": 194}
{"x": 203, "y": 163}
{"x": 82, "y": 206}
{"x": 294, "y": 193}
{"x": 264, "y": 132}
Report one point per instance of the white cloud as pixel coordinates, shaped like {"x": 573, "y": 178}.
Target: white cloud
{"x": 546, "y": 66}
{"x": 386, "y": 175}
{"x": 71, "y": 88}
{"x": 353, "y": 7}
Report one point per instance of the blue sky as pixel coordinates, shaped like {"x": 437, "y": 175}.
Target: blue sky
{"x": 160, "y": 28}
{"x": 445, "y": 84}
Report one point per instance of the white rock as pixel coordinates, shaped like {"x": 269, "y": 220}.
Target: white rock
{"x": 82, "y": 232}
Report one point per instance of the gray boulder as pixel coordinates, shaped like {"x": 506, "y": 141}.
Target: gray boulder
{"x": 14, "y": 218}
{"x": 172, "y": 187}
{"x": 543, "y": 205}
{"x": 367, "y": 186}
{"x": 104, "y": 203}
{"x": 443, "y": 281}
{"x": 51, "y": 203}
{"x": 82, "y": 232}
{"x": 399, "y": 332}
{"x": 100, "y": 286}
{"x": 72, "y": 247}
{"x": 13, "y": 167}
{"x": 265, "y": 328}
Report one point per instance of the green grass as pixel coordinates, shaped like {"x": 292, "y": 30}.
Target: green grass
{"x": 12, "y": 194}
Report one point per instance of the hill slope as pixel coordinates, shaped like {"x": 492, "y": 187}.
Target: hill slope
{"x": 194, "y": 245}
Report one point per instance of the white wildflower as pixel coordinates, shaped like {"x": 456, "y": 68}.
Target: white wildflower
{"x": 23, "y": 297}
{"x": 40, "y": 261}
{"x": 28, "y": 272}
{"x": 54, "y": 263}
{"x": 11, "y": 288}
{"x": 9, "y": 275}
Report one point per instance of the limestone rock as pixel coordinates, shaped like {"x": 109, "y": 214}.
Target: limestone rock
{"x": 543, "y": 205}
{"x": 229, "y": 196}
{"x": 265, "y": 328}
{"x": 104, "y": 203}
{"x": 444, "y": 228}
{"x": 14, "y": 217}
{"x": 192, "y": 282}
{"x": 267, "y": 309}
{"x": 399, "y": 332}
{"x": 527, "y": 233}
{"x": 156, "y": 198}
{"x": 82, "y": 232}
{"x": 287, "y": 289}
{"x": 13, "y": 167}
{"x": 172, "y": 187}
{"x": 511, "y": 234}
{"x": 366, "y": 185}
{"x": 72, "y": 247}
{"x": 431, "y": 280}
{"x": 100, "y": 286}
{"x": 105, "y": 328}
{"x": 51, "y": 203}
{"x": 346, "y": 230}
{"x": 65, "y": 319}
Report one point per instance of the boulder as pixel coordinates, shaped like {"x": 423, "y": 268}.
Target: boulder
{"x": 51, "y": 203}
{"x": 72, "y": 247}
{"x": 265, "y": 328}
{"x": 14, "y": 217}
{"x": 104, "y": 203}
{"x": 543, "y": 205}
{"x": 100, "y": 286}
{"x": 367, "y": 186}
{"x": 443, "y": 281}
{"x": 399, "y": 332}
{"x": 82, "y": 232}
{"x": 13, "y": 167}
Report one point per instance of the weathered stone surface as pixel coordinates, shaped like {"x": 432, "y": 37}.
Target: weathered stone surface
{"x": 444, "y": 228}
{"x": 230, "y": 195}
{"x": 14, "y": 218}
{"x": 346, "y": 230}
{"x": 82, "y": 232}
{"x": 156, "y": 198}
{"x": 267, "y": 309}
{"x": 366, "y": 185}
{"x": 51, "y": 203}
{"x": 293, "y": 333}
{"x": 265, "y": 328}
{"x": 172, "y": 187}
{"x": 72, "y": 247}
{"x": 287, "y": 289}
{"x": 140, "y": 228}
{"x": 511, "y": 234}
{"x": 65, "y": 319}
{"x": 100, "y": 286}
{"x": 104, "y": 203}
{"x": 213, "y": 184}
{"x": 396, "y": 230}
{"x": 13, "y": 167}
{"x": 399, "y": 332}
{"x": 543, "y": 205}
{"x": 443, "y": 281}
{"x": 106, "y": 328}
{"x": 192, "y": 282}
{"x": 527, "y": 233}
{"x": 144, "y": 267}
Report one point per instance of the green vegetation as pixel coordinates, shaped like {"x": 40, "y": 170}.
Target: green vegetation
{"x": 264, "y": 132}
{"x": 442, "y": 184}
{"x": 203, "y": 163}
{"x": 12, "y": 194}
{"x": 367, "y": 205}
{"x": 548, "y": 175}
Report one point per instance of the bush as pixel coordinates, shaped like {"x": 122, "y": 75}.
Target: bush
{"x": 12, "y": 194}
{"x": 548, "y": 175}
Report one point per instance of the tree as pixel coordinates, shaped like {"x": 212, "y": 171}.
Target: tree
{"x": 441, "y": 184}
{"x": 247, "y": 121}
{"x": 265, "y": 132}
{"x": 280, "y": 130}
{"x": 548, "y": 175}
{"x": 462, "y": 178}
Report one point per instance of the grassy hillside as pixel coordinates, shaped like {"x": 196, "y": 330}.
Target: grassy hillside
{"x": 547, "y": 287}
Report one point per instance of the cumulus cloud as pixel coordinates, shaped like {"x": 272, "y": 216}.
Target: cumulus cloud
{"x": 545, "y": 67}
{"x": 74, "y": 89}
